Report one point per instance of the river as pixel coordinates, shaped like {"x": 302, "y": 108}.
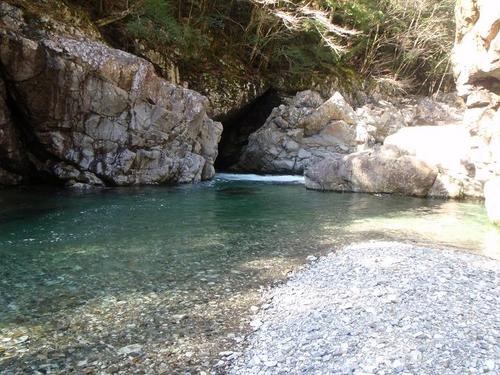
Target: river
{"x": 161, "y": 279}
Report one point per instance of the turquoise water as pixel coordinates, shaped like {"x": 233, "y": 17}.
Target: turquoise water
{"x": 174, "y": 270}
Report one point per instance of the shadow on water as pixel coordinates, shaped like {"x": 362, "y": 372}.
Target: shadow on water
{"x": 175, "y": 269}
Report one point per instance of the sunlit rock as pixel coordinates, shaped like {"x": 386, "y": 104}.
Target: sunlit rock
{"x": 492, "y": 199}
{"x": 381, "y": 118}
{"x": 380, "y": 170}
{"x": 448, "y": 149}
{"x": 335, "y": 108}
{"x": 476, "y": 61}
{"x": 478, "y": 42}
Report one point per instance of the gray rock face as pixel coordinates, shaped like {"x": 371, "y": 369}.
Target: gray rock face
{"x": 93, "y": 114}
{"x": 228, "y": 96}
{"x": 308, "y": 129}
{"x": 380, "y": 170}
{"x": 301, "y": 132}
{"x": 476, "y": 61}
{"x": 12, "y": 153}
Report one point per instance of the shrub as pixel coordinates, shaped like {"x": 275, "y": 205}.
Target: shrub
{"x": 401, "y": 45}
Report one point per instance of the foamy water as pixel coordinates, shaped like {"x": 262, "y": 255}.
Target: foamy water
{"x": 292, "y": 179}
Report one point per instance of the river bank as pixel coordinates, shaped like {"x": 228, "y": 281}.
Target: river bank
{"x": 380, "y": 308}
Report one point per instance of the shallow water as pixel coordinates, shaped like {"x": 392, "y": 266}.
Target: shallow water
{"x": 175, "y": 270}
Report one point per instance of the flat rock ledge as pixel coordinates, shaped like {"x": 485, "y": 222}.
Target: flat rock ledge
{"x": 381, "y": 308}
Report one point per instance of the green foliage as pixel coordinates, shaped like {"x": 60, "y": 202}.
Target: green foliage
{"x": 299, "y": 42}
{"x": 363, "y": 15}
{"x": 156, "y": 23}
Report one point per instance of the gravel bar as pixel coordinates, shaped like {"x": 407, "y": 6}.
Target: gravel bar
{"x": 380, "y": 308}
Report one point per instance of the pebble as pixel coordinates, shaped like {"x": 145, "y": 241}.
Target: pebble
{"x": 422, "y": 335}
{"x": 255, "y": 324}
{"x": 489, "y": 365}
{"x": 380, "y": 308}
{"x": 82, "y": 363}
{"x": 270, "y": 363}
{"x": 398, "y": 366}
{"x": 416, "y": 356}
{"x": 130, "y": 349}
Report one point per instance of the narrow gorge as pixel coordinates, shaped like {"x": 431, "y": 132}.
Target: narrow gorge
{"x": 249, "y": 187}
{"x": 79, "y": 113}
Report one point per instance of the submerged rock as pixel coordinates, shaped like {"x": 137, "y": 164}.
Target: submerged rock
{"x": 93, "y": 114}
{"x": 380, "y": 170}
{"x": 9, "y": 179}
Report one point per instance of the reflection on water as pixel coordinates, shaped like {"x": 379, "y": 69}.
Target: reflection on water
{"x": 174, "y": 270}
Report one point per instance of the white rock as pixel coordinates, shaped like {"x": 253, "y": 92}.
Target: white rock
{"x": 416, "y": 355}
{"x": 256, "y": 324}
{"x": 271, "y": 363}
{"x": 344, "y": 347}
{"x": 398, "y": 366}
{"x": 489, "y": 365}
{"x": 130, "y": 349}
{"x": 256, "y": 360}
{"x": 492, "y": 199}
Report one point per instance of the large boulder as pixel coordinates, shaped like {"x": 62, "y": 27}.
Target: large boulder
{"x": 383, "y": 117}
{"x": 492, "y": 199}
{"x": 448, "y": 149}
{"x": 477, "y": 46}
{"x": 307, "y": 129}
{"x": 380, "y": 170}
{"x": 90, "y": 113}
{"x": 304, "y": 130}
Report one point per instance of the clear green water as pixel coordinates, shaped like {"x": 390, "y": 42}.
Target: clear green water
{"x": 176, "y": 269}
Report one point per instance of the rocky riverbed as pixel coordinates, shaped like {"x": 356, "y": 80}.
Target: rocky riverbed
{"x": 171, "y": 283}
{"x": 380, "y": 308}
